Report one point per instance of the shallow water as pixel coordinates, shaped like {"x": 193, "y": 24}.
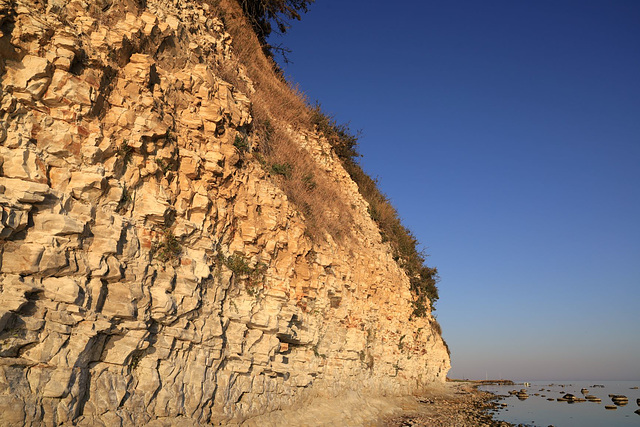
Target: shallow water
{"x": 538, "y": 411}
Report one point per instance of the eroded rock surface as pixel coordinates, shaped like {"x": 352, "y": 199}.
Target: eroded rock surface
{"x": 148, "y": 272}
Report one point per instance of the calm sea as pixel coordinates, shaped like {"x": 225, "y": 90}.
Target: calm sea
{"x": 538, "y": 411}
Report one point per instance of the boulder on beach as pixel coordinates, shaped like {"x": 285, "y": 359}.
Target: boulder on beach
{"x": 569, "y": 397}
{"x": 610, "y": 407}
{"x": 584, "y": 391}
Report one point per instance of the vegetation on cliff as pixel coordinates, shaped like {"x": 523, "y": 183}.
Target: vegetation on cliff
{"x": 403, "y": 242}
{"x": 304, "y": 182}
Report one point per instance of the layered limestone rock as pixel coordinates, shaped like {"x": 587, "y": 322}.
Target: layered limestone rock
{"x": 150, "y": 271}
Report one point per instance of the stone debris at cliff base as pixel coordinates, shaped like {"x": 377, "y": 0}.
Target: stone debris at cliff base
{"x": 453, "y": 405}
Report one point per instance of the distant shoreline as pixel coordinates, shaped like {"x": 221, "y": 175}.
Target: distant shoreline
{"x": 482, "y": 382}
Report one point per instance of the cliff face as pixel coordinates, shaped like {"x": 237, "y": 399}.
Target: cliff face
{"x": 151, "y": 268}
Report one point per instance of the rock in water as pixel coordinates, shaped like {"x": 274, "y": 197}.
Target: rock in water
{"x": 620, "y": 400}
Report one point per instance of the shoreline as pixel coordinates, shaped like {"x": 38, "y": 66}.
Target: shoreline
{"x": 457, "y": 403}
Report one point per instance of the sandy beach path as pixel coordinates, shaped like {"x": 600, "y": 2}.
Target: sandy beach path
{"x": 457, "y": 404}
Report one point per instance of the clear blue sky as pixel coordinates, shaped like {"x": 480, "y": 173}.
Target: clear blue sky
{"x": 507, "y": 135}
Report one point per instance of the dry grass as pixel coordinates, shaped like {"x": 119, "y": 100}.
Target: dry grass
{"x": 273, "y": 93}
{"x": 315, "y": 194}
{"x": 275, "y": 107}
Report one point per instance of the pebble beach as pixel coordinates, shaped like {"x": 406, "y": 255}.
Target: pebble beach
{"x": 454, "y": 404}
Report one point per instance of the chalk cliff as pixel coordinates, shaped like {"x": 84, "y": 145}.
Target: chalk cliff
{"x": 152, "y": 268}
